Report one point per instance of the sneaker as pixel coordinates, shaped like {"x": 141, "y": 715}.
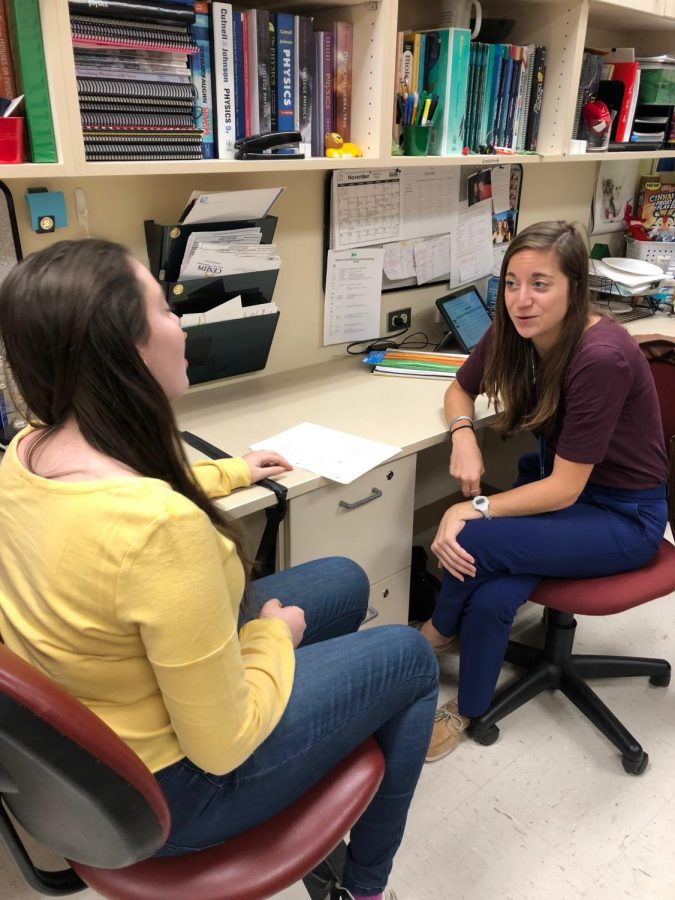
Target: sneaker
{"x": 440, "y": 648}
{"x": 341, "y": 893}
{"x": 449, "y": 726}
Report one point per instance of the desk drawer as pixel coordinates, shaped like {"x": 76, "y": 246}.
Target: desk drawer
{"x": 390, "y": 598}
{"x": 376, "y": 533}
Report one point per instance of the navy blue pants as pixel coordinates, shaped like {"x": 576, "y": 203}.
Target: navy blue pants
{"x": 607, "y": 531}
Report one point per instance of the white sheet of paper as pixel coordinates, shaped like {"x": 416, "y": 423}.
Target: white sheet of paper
{"x": 399, "y": 260}
{"x": 334, "y": 454}
{"x": 366, "y": 207}
{"x": 351, "y": 309}
{"x": 430, "y": 198}
{"x": 247, "y": 236}
{"x": 210, "y": 262}
{"x": 226, "y": 312}
{"x": 230, "y": 206}
{"x": 472, "y": 257}
{"x": 501, "y": 180}
{"x": 432, "y": 259}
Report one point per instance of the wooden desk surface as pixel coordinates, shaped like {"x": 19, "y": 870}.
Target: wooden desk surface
{"x": 405, "y": 412}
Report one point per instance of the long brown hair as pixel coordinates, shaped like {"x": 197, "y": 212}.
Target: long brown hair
{"x": 71, "y": 317}
{"x": 507, "y": 377}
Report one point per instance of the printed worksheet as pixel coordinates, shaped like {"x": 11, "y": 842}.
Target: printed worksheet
{"x": 472, "y": 257}
{"x": 430, "y": 201}
{"x": 351, "y": 309}
{"x": 432, "y": 259}
{"x": 334, "y": 454}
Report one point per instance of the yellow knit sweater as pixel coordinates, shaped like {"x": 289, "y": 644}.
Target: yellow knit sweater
{"x": 123, "y": 592}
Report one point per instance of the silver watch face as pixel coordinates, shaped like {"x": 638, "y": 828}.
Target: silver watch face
{"x": 481, "y": 504}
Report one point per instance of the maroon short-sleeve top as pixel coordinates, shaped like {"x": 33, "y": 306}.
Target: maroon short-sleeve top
{"x": 611, "y": 410}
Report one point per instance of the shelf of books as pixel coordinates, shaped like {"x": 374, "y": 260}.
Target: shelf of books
{"x": 315, "y": 73}
{"x": 169, "y": 86}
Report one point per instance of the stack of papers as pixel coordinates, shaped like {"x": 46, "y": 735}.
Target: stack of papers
{"x": 416, "y": 363}
{"x": 226, "y": 312}
{"x": 215, "y": 259}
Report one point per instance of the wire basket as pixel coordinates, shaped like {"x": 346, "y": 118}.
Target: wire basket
{"x": 651, "y": 251}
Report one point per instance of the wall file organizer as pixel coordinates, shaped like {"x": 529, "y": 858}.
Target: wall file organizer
{"x": 216, "y": 349}
{"x": 166, "y": 243}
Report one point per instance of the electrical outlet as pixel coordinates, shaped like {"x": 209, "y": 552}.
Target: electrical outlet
{"x": 399, "y": 318}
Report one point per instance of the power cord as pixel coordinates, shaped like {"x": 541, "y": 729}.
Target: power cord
{"x": 387, "y": 342}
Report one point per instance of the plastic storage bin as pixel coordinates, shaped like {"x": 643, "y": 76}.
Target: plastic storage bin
{"x": 650, "y": 251}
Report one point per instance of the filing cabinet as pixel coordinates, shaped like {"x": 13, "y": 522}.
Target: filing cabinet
{"x": 369, "y": 521}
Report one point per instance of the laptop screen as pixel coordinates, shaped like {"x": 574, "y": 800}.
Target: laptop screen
{"x": 467, "y": 316}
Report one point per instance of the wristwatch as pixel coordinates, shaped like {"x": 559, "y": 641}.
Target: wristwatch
{"x": 482, "y": 504}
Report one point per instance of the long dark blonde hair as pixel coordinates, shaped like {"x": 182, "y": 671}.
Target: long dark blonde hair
{"x": 507, "y": 376}
{"x": 71, "y": 317}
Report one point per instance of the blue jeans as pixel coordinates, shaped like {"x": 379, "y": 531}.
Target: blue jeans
{"x": 381, "y": 681}
{"x": 607, "y": 531}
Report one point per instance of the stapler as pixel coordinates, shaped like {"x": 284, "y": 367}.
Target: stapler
{"x": 253, "y": 147}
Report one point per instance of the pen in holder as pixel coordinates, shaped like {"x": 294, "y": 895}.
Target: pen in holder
{"x": 416, "y": 113}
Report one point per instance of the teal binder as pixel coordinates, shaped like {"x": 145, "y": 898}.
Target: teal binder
{"x": 447, "y": 75}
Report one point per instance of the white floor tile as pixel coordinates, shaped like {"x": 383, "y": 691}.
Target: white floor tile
{"x": 645, "y": 869}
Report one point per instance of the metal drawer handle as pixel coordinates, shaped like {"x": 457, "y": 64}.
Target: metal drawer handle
{"x": 370, "y": 615}
{"x": 373, "y": 495}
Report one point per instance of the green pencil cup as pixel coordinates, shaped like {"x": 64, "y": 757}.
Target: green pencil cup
{"x": 416, "y": 140}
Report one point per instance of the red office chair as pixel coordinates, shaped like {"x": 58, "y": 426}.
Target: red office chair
{"x": 555, "y": 666}
{"x": 80, "y": 791}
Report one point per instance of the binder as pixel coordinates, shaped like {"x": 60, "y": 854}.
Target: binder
{"x": 166, "y": 243}
{"x": 222, "y": 349}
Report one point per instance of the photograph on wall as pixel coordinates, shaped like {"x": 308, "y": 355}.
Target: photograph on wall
{"x": 614, "y": 192}
{"x": 479, "y": 186}
{"x": 503, "y": 226}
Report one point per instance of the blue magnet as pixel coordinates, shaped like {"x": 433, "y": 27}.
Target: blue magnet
{"x": 47, "y": 209}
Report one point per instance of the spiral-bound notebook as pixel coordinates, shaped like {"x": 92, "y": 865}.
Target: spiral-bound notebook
{"x": 89, "y": 30}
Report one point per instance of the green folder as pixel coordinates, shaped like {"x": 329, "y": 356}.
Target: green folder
{"x": 29, "y": 61}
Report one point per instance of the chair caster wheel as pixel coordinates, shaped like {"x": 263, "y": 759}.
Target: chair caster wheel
{"x": 487, "y": 737}
{"x": 635, "y": 766}
{"x": 660, "y": 680}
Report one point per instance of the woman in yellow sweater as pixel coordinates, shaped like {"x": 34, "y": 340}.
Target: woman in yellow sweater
{"x": 122, "y": 580}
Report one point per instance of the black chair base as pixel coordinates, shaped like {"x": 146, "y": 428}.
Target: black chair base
{"x": 555, "y": 667}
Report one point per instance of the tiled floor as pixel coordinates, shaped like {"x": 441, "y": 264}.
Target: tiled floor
{"x": 547, "y": 811}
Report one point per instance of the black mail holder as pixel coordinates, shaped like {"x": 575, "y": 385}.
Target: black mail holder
{"x": 166, "y": 243}
{"x": 222, "y": 349}
{"x": 216, "y": 350}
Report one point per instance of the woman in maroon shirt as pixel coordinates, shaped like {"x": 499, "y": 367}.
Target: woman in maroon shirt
{"x": 592, "y": 502}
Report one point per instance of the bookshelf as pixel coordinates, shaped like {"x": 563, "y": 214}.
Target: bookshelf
{"x": 564, "y": 26}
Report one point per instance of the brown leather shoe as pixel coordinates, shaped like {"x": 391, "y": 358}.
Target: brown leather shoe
{"x": 449, "y": 726}
{"x": 440, "y": 648}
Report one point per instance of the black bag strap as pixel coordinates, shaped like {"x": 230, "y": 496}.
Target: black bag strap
{"x": 265, "y": 560}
